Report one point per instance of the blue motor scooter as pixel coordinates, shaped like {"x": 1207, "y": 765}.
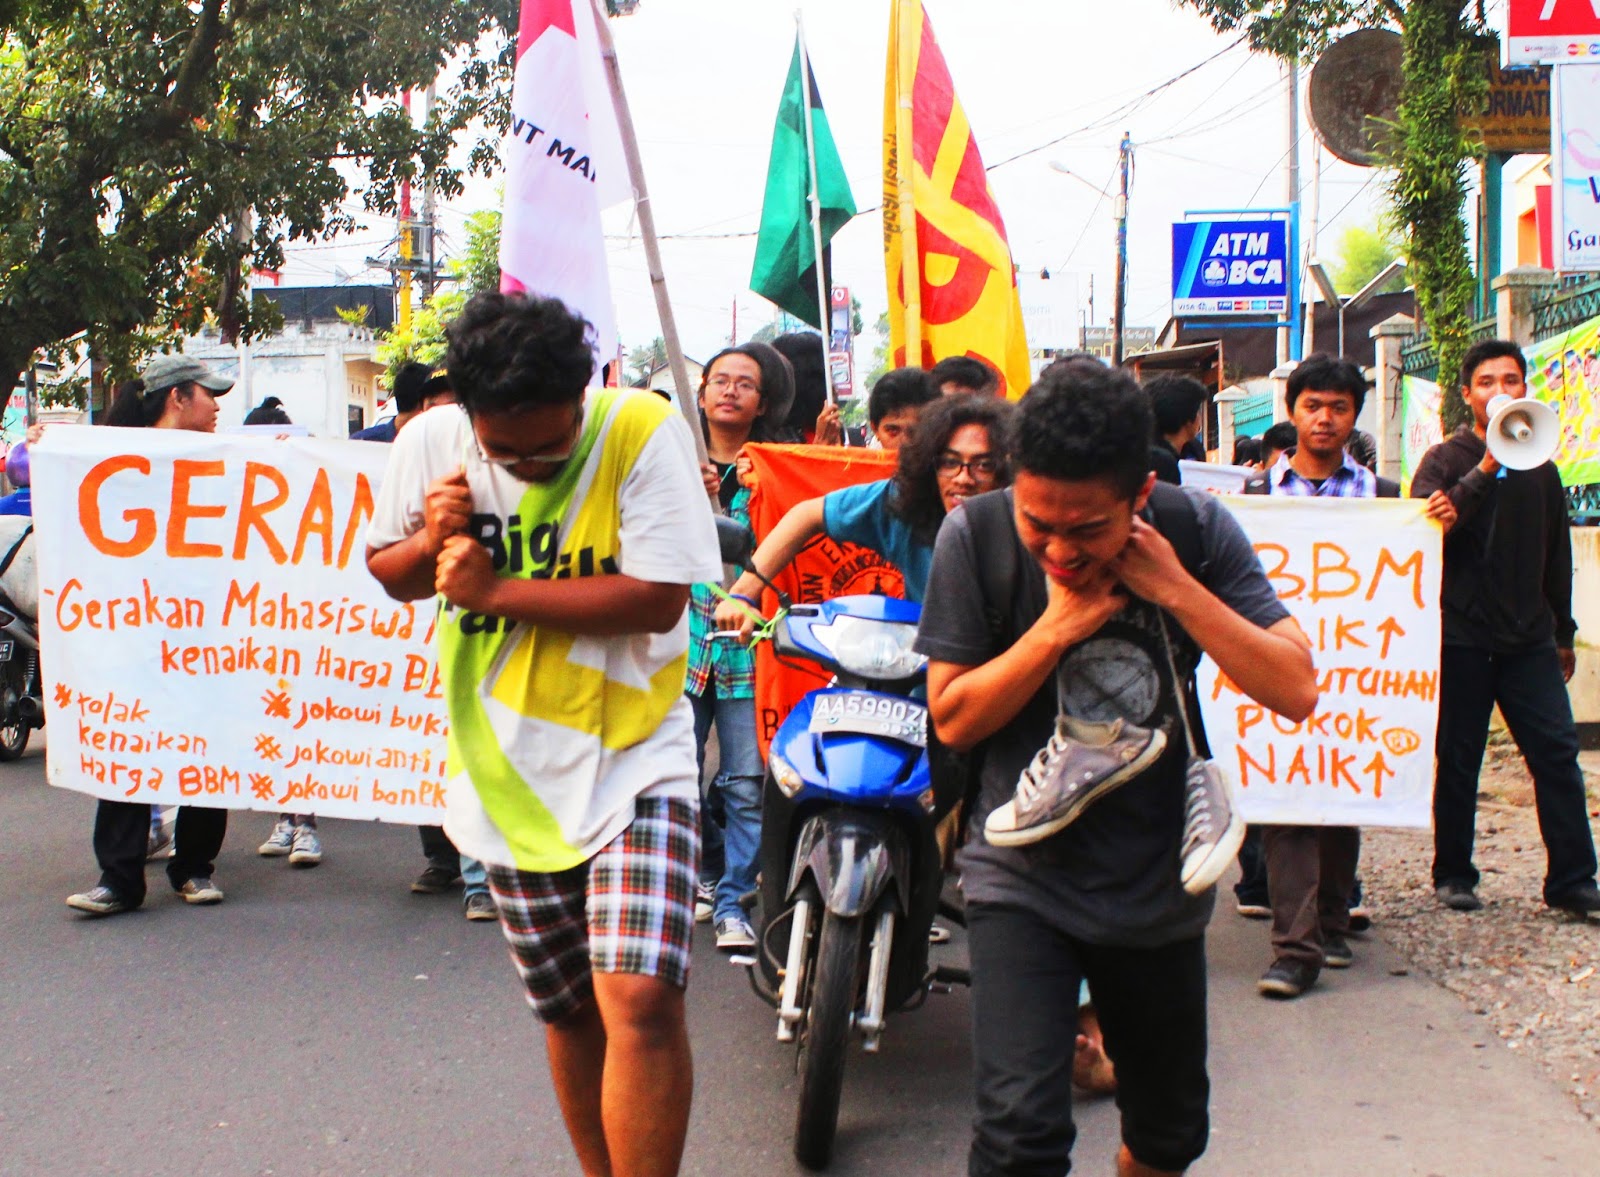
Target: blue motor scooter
{"x": 850, "y": 864}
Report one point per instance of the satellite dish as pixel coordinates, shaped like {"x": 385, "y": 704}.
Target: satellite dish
{"x": 1355, "y": 94}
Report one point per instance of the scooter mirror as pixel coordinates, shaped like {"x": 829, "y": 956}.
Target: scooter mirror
{"x": 736, "y": 540}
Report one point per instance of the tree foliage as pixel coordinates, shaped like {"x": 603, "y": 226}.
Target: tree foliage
{"x": 644, "y": 360}
{"x": 476, "y": 267}
{"x": 1444, "y": 77}
{"x": 153, "y": 151}
{"x": 1362, "y": 253}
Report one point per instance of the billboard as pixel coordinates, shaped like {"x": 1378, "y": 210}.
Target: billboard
{"x": 1575, "y": 167}
{"x": 1230, "y": 267}
{"x": 1552, "y": 30}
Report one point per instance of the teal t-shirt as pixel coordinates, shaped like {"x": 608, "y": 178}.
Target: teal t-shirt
{"x": 863, "y": 515}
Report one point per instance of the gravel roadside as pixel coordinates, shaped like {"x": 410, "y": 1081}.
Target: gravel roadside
{"x": 1534, "y": 974}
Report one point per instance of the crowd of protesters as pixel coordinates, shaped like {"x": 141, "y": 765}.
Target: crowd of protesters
{"x": 1086, "y": 908}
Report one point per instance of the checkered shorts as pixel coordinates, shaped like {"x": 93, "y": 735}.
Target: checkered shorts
{"x": 629, "y": 909}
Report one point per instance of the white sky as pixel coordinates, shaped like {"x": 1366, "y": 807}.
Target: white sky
{"x": 704, "y": 76}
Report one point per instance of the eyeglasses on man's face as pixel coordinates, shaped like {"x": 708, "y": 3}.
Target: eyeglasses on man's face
{"x": 507, "y": 460}
{"x": 982, "y": 467}
{"x": 740, "y": 384}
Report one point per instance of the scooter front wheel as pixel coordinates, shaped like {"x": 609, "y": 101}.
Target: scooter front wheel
{"x": 835, "y": 984}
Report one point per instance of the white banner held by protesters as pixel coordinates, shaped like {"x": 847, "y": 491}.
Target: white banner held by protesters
{"x": 211, "y": 635}
{"x": 1361, "y": 576}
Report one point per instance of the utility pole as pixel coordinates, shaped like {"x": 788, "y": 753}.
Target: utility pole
{"x": 430, "y": 276}
{"x": 405, "y": 241}
{"x": 1293, "y": 195}
{"x": 1119, "y": 306}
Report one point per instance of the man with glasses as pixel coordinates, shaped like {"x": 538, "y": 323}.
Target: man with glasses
{"x": 563, "y": 529}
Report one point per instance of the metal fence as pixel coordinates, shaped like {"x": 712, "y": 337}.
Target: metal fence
{"x": 1574, "y": 302}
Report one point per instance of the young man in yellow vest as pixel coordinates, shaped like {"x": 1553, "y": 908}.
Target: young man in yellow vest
{"x": 563, "y": 528}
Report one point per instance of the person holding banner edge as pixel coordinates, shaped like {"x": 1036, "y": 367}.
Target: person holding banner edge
{"x": 172, "y": 392}
{"x": 563, "y": 528}
{"x": 1509, "y": 639}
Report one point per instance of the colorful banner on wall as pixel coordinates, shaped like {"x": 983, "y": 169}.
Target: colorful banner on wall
{"x": 1420, "y": 427}
{"x": 1564, "y": 372}
{"x": 786, "y": 476}
{"x": 1362, "y": 579}
{"x": 211, "y": 634}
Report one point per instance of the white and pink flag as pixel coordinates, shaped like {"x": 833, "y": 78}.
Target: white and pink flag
{"x": 564, "y": 163}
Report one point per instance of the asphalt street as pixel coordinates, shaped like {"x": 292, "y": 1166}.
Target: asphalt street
{"x": 327, "y": 1021}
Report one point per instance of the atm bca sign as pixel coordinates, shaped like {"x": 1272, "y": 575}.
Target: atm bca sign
{"x": 1229, "y": 267}
{"x": 1553, "y": 30}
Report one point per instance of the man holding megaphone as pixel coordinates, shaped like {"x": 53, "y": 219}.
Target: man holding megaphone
{"x": 1508, "y": 628}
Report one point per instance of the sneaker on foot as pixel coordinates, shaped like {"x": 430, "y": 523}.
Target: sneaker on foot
{"x": 1212, "y": 831}
{"x": 280, "y": 841}
{"x": 99, "y": 901}
{"x": 1081, "y": 763}
{"x": 1254, "y": 907}
{"x": 705, "y": 898}
{"x": 1336, "y": 953}
{"x": 162, "y": 824}
{"x": 307, "y": 847}
{"x": 1458, "y": 897}
{"x": 200, "y": 890}
{"x": 733, "y": 932}
{"x": 480, "y": 906}
{"x": 1360, "y": 918}
{"x": 435, "y": 879}
{"x": 1287, "y": 979}
{"x": 1584, "y": 902}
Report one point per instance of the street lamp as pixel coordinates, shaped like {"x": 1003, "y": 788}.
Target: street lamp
{"x": 1356, "y": 301}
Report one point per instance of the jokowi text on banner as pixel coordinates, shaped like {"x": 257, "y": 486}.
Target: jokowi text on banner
{"x": 786, "y": 476}
{"x": 952, "y": 286}
{"x": 1361, "y": 576}
{"x": 212, "y": 635}
{"x": 564, "y": 163}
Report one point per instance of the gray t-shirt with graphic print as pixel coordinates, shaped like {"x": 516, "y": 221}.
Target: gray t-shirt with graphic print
{"x": 1112, "y": 876}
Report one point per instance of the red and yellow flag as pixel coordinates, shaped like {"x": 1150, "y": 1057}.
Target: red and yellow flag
{"x": 785, "y": 476}
{"x": 952, "y": 287}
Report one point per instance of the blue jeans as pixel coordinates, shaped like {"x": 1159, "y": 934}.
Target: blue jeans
{"x": 737, "y": 787}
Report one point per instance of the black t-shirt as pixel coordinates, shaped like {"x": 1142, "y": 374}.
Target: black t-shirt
{"x": 1112, "y": 876}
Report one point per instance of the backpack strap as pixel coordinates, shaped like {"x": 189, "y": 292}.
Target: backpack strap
{"x": 1172, "y": 513}
{"x": 11, "y": 556}
{"x": 989, "y": 516}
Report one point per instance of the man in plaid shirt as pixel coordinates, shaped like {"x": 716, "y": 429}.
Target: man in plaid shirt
{"x": 1311, "y": 870}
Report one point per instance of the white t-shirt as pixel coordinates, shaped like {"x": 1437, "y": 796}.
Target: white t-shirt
{"x": 553, "y": 736}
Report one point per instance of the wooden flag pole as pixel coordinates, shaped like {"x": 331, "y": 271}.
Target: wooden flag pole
{"x": 814, "y": 205}
{"x": 647, "y": 231}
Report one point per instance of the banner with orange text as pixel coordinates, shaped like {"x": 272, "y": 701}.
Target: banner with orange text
{"x": 211, "y": 636}
{"x": 952, "y": 286}
{"x": 786, "y": 476}
{"x": 1361, "y": 576}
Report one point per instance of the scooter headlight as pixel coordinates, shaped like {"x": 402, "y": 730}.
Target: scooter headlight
{"x": 879, "y": 650}
{"x": 789, "y": 781}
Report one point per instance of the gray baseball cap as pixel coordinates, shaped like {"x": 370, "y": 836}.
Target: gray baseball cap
{"x": 171, "y": 371}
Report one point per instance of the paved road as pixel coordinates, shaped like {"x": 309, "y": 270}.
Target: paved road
{"x": 329, "y": 1022}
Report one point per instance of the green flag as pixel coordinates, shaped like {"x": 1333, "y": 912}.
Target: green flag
{"x": 785, "y": 269}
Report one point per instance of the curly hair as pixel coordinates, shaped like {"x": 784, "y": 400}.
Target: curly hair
{"x": 509, "y": 352}
{"x": 1083, "y": 421}
{"x": 916, "y": 499}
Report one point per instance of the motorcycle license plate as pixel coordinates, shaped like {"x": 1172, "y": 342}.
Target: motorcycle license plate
{"x": 5, "y": 651}
{"x": 860, "y": 713}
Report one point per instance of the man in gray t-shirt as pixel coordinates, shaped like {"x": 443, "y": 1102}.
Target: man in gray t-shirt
{"x": 1100, "y": 555}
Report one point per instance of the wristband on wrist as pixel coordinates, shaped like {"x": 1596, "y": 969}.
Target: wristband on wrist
{"x": 754, "y": 604}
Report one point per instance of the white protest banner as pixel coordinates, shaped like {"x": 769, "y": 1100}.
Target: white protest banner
{"x": 1575, "y": 166}
{"x": 1361, "y": 576}
{"x": 211, "y": 635}
{"x": 1215, "y": 477}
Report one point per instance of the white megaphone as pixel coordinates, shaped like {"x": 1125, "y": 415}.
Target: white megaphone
{"x": 1522, "y": 433}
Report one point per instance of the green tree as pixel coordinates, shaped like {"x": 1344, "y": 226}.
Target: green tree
{"x": 424, "y": 342}
{"x": 880, "y": 350}
{"x": 153, "y": 151}
{"x": 1445, "y": 75}
{"x": 477, "y": 267}
{"x": 644, "y": 360}
{"x": 1363, "y": 252}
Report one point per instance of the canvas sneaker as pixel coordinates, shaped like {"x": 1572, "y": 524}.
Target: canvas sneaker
{"x": 734, "y": 932}
{"x": 306, "y": 847}
{"x": 705, "y": 900}
{"x": 435, "y": 879}
{"x": 1082, "y": 762}
{"x": 480, "y": 906}
{"x": 201, "y": 891}
{"x": 98, "y": 901}
{"x": 1212, "y": 831}
{"x": 280, "y": 842}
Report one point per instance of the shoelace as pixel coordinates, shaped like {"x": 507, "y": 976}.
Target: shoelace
{"x": 1033, "y": 776}
{"x": 1199, "y": 823}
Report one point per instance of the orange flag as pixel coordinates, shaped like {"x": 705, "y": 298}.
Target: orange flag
{"x": 785, "y": 476}
{"x": 952, "y": 287}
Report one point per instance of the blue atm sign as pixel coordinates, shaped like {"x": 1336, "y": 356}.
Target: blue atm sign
{"x": 1230, "y": 267}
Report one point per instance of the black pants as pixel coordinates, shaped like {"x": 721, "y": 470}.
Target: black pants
{"x": 122, "y": 840}
{"x": 438, "y": 849}
{"x": 1152, "y": 1007}
{"x": 1533, "y": 699}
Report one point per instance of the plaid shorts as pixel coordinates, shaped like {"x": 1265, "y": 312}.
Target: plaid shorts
{"x": 629, "y": 909}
